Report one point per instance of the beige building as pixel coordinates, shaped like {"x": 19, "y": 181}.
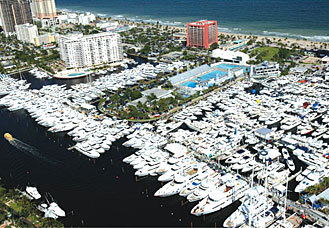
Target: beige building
{"x": 47, "y": 38}
{"x": 26, "y": 32}
{"x": 43, "y": 9}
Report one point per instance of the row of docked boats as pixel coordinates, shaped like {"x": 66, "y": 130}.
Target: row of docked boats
{"x": 224, "y": 128}
{"x": 219, "y": 128}
{"x": 39, "y": 74}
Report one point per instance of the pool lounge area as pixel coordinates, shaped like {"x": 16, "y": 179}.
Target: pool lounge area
{"x": 214, "y": 74}
{"x": 205, "y": 76}
{"x": 76, "y": 74}
{"x": 227, "y": 66}
{"x": 72, "y": 73}
{"x": 206, "y": 80}
{"x": 190, "y": 84}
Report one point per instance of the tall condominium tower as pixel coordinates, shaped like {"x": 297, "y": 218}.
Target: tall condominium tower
{"x": 44, "y": 9}
{"x": 14, "y": 12}
{"x": 202, "y": 34}
{"x": 78, "y": 51}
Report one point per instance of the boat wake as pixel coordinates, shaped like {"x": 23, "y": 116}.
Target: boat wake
{"x": 29, "y": 150}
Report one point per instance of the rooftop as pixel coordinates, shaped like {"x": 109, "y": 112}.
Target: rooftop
{"x": 202, "y": 22}
{"x": 324, "y": 194}
{"x": 159, "y": 93}
{"x": 263, "y": 131}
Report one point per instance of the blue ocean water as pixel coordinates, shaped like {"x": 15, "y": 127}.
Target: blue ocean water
{"x": 288, "y": 18}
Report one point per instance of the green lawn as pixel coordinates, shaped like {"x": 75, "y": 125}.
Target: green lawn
{"x": 16, "y": 207}
{"x": 267, "y": 52}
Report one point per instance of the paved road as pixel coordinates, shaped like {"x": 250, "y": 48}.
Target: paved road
{"x": 318, "y": 216}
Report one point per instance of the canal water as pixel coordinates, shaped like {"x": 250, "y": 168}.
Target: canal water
{"x": 100, "y": 192}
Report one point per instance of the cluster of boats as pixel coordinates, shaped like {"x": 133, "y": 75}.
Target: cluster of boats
{"x": 51, "y": 210}
{"x": 264, "y": 134}
{"x": 200, "y": 150}
{"x": 9, "y": 84}
{"x": 52, "y": 108}
{"x": 39, "y": 73}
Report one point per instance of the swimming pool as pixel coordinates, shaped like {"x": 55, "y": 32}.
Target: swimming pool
{"x": 226, "y": 66}
{"x": 76, "y": 74}
{"x": 190, "y": 84}
{"x": 204, "y": 78}
{"x": 211, "y": 75}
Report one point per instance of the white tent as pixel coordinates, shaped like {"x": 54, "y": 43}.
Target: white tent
{"x": 235, "y": 56}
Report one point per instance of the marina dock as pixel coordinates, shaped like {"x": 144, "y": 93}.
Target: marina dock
{"x": 257, "y": 133}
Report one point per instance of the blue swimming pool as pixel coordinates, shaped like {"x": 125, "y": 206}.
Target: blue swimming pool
{"x": 211, "y": 75}
{"x": 226, "y": 66}
{"x": 190, "y": 84}
{"x": 76, "y": 74}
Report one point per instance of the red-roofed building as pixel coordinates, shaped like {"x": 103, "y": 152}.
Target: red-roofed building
{"x": 202, "y": 34}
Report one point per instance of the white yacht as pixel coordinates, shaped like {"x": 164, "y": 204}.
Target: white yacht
{"x": 198, "y": 182}
{"x": 221, "y": 197}
{"x": 55, "y": 209}
{"x": 311, "y": 179}
{"x": 33, "y": 191}
{"x": 181, "y": 180}
{"x": 252, "y": 164}
{"x": 255, "y": 204}
{"x": 305, "y": 172}
{"x": 288, "y": 159}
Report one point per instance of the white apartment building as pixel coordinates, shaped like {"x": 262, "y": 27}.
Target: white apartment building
{"x": 26, "y": 33}
{"x": 78, "y": 51}
{"x": 266, "y": 70}
{"x": 85, "y": 19}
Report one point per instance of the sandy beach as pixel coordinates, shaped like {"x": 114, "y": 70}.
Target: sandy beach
{"x": 307, "y": 44}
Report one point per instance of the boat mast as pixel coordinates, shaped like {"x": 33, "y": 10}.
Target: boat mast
{"x": 266, "y": 179}
{"x": 251, "y": 187}
{"x": 285, "y": 201}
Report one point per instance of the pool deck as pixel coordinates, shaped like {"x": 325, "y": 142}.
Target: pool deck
{"x": 193, "y": 79}
{"x": 66, "y": 74}
{"x": 214, "y": 67}
{"x": 198, "y": 75}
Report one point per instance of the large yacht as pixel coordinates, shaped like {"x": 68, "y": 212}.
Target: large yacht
{"x": 255, "y": 204}
{"x": 221, "y": 197}
{"x": 183, "y": 179}
{"x": 33, "y": 191}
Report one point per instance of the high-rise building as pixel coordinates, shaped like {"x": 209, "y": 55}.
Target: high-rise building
{"x": 26, "y": 33}
{"x": 78, "y": 51}
{"x": 202, "y": 34}
{"x": 14, "y": 12}
{"x": 44, "y": 9}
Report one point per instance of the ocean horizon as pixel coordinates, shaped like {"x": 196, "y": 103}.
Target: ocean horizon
{"x": 301, "y": 19}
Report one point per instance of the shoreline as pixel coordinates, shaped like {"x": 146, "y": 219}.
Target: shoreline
{"x": 306, "y": 44}
{"x": 290, "y": 37}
